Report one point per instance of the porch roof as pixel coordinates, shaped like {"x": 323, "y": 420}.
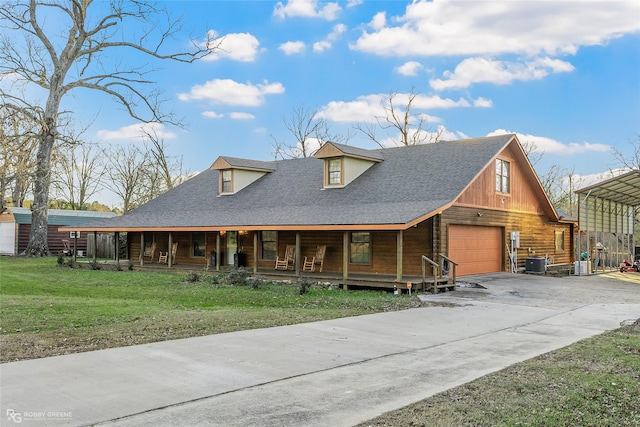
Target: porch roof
{"x": 407, "y": 186}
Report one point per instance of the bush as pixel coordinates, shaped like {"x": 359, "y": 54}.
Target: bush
{"x": 239, "y": 277}
{"x": 117, "y": 267}
{"x": 130, "y": 266}
{"x": 61, "y": 260}
{"x": 94, "y": 265}
{"x": 303, "y": 285}
{"x": 192, "y": 277}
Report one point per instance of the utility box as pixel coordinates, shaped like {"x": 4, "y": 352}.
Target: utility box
{"x": 535, "y": 265}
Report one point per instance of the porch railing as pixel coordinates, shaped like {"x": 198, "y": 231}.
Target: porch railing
{"x": 439, "y": 281}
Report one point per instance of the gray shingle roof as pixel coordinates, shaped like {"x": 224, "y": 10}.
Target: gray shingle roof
{"x": 409, "y": 183}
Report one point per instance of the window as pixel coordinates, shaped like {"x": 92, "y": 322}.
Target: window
{"x": 148, "y": 242}
{"x": 334, "y": 172}
{"x": 269, "y": 241}
{"x": 198, "y": 244}
{"x": 559, "y": 238}
{"x": 226, "y": 182}
{"x": 502, "y": 176}
{"x": 360, "y": 248}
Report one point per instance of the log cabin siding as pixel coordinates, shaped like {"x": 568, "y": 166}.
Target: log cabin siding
{"x": 537, "y": 232}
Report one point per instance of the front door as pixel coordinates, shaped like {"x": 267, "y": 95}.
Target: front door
{"x": 232, "y": 246}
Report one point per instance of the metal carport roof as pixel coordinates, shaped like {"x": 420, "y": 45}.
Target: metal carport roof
{"x": 624, "y": 189}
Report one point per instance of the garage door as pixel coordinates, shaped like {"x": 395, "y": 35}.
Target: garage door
{"x": 477, "y": 249}
{"x": 7, "y": 238}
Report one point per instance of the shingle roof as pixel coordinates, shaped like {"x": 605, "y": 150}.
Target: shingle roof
{"x": 408, "y": 184}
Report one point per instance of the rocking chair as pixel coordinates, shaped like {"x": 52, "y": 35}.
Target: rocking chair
{"x": 310, "y": 263}
{"x": 289, "y": 260}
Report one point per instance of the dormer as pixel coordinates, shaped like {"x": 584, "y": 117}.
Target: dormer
{"x": 235, "y": 173}
{"x": 343, "y": 164}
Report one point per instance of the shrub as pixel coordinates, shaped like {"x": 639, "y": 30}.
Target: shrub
{"x": 239, "y": 277}
{"x": 303, "y": 285}
{"x": 94, "y": 265}
{"x": 130, "y": 266}
{"x": 117, "y": 267}
{"x": 61, "y": 260}
{"x": 192, "y": 277}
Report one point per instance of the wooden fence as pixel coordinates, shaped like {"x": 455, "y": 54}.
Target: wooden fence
{"x": 104, "y": 243}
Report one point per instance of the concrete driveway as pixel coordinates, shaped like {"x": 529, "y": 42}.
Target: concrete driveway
{"x": 338, "y": 372}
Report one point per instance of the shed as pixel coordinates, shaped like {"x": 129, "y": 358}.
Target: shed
{"x": 15, "y": 227}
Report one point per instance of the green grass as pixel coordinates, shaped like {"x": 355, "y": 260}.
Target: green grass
{"x": 48, "y": 310}
{"x": 595, "y": 382}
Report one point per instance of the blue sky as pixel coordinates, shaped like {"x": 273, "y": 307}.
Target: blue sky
{"x": 563, "y": 75}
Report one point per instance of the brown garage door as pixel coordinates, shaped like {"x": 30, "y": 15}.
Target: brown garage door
{"x": 477, "y": 249}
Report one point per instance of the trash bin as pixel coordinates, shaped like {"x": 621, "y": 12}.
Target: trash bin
{"x": 239, "y": 260}
{"x": 535, "y": 265}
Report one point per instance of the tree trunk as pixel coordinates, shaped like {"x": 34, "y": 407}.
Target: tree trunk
{"x": 38, "y": 238}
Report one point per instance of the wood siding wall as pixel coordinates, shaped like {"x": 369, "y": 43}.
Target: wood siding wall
{"x": 482, "y": 194}
{"x": 55, "y": 239}
{"x": 537, "y": 233}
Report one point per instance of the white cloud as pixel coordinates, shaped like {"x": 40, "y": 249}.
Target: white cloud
{"x": 543, "y": 144}
{"x": 212, "y": 115}
{"x": 448, "y": 28}
{"x": 242, "y": 47}
{"x": 241, "y": 116}
{"x": 410, "y": 68}
{"x": 293, "y": 47}
{"x": 481, "y": 102}
{"x": 230, "y": 92}
{"x": 136, "y": 131}
{"x": 325, "y": 44}
{"x": 354, "y": 3}
{"x": 379, "y": 21}
{"x": 365, "y": 108}
{"x": 483, "y": 70}
{"x": 307, "y": 9}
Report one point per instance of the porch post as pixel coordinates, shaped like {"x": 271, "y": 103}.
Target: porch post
{"x": 141, "y": 249}
{"x": 255, "y": 252}
{"x": 75, "y": 246}
{"x": 298, "y": 253}
{"x": 345, "y": 259}
{"x": 95, "y": 246}
{"x": 399, "y": 250}
{"x": 218, "y": 251}
{"x": 117, "y": 246}
{"x": 169, "y": 254}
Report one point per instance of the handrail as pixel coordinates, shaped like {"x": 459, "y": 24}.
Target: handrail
{"x": 435, "y": 267}
{"x": 453, "y": 270}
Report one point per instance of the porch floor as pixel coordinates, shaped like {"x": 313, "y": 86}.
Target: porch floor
{"x": 356, "y": 280}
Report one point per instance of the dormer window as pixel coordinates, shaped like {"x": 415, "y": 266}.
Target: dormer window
{"x": 343, "y": 164}
{"x": 235, "y": 174}
{"x": 334, "y": 172}
{"x": 227, "y": 185}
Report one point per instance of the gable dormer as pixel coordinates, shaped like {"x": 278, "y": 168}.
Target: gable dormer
{"x": 343, "y": 164}
{"x": 235, "y": 174}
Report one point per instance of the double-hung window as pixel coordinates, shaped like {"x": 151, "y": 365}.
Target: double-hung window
{"x": 360, "y": 248}
{"x": 334, "y": 171}
{"x": 198, "y": 244}
{"x": 502, "y": 176}
{"x": 227, "y": 186}
{"x": 269, "y": 241}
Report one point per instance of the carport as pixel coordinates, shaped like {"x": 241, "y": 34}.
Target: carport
{"x": 608, "y": 213}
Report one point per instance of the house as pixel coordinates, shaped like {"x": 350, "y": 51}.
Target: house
{"x": 15, "y": 227}
{"x": 377, "y": 212}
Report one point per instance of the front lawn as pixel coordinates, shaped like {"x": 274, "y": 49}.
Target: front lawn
{"x": 47, "y": 310}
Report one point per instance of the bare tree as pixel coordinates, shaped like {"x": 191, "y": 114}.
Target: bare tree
{"x": 629, "y": 159}
{"x": 560, "y": 185}
{"x": 78, "y": 175}
{"x": 400, "y": 119}
{"x": 17, "y": 155}
{"x": 127, "y": 175}
{"x": 164, "y": 171}
{"x": 309, "y": 131}
{"x": 73, "y": 53}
